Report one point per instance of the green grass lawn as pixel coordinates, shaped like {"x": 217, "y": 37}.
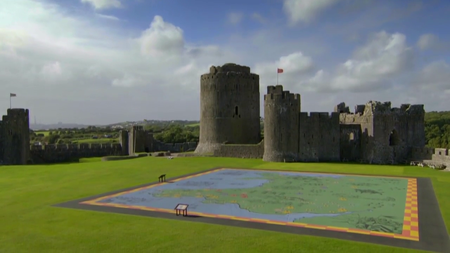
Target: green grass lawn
{"x": 28, "y": 223}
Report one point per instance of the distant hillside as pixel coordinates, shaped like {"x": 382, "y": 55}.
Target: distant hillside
{"x": 437, "y": 129}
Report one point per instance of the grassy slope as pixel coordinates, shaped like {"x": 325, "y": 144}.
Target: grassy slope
{"x": 30, "y": 224}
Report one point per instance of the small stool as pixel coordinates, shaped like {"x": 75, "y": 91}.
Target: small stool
{"x": 181, "y": 209}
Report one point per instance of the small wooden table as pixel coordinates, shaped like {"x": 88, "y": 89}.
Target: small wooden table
{"x": 162, "y": 178}
{"x": 181, "y": 209}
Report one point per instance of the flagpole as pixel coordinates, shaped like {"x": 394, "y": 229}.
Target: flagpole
{"x": 277, "y": 76}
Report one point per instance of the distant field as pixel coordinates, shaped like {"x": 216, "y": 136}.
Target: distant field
{"x": 193, "y": 125}
{"x": 45, "y": 133}
{"x": 31, "y": 224}
{"x": 103, "y": 140}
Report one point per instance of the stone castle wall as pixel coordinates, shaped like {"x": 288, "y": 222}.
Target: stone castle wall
{"x": 433, "y": 156}
{"x": 350, "y": 143}
{"x": 387, "y": 134}
{"x": 253, "y": 151}
{"x": 174, "y": 147}
{"x": 319, "y": 137}
{"x": 54, "y": 153}
{"x": 229, "y": 107}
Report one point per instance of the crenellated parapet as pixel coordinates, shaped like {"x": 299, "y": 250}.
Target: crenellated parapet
{"x": 376, "y": 107}
{"x": 81, "y": 146}
{"x": 229, "y": 78}
{"x": 333, "y": 116}
{"x": 52, "y": 153}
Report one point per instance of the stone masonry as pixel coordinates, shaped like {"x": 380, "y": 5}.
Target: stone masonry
{"x": 229, "y": 108}
{"x": 374, "y": 133}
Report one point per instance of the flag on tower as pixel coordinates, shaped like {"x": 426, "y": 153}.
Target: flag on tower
{"x": 279, "y": 71}
{"x": 12, "y": 94}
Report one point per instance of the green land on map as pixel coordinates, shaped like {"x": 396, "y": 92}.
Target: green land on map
{"x": 371, "y": 203}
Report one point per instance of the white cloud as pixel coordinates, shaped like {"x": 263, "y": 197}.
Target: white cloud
{"x": 162, "y": 39}
{"x": 305, "y": 10}
{"x": 108, "y": 17}
{"x": 127, "y": 81}
{"x": 428, "y": 41}
{"x": 235, "y": 18}
{"x": 95, "y": 68}
{"x": 294, "y": 65}
{"x": 432, "y": 42}
{"x": 103, "y": 4}
{"x": 434, "y": 77}
{"x": 258, "y": 17}
{"x": 52, "y": 69}
{"x": 373, "y": 66}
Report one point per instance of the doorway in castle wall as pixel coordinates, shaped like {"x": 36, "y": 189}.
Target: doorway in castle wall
{"x": 394, "y": 139}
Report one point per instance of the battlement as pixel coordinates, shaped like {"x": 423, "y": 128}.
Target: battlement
{"x": 17, "y": 112}
{"x": 277, "y": 92}
{"x": 376, "y": 107}
{"x": 278, "y": 89}
{"x": 320, "y": 115}
{"x": 230, "y": 75}
{"x": 73, "y": 147}
{"x": 229, "y": 67}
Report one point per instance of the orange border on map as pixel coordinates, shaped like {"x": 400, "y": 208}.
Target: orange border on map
{"x": 410, "y": 223}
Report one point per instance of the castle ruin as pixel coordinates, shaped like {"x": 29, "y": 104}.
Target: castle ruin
{"x": 229, "y": 125}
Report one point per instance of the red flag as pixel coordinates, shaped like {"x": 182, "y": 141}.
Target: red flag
{"x": 279, "y": 71}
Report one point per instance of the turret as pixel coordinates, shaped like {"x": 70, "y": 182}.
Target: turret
{"x": 281, "y": 118}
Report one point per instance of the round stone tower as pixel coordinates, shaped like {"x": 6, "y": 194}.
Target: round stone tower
{"x": 229, "y": 107}
{"x": 281, "y": 125}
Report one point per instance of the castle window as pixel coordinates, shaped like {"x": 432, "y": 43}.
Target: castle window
{"x": 236, "y": 110}
{"x": 394, "y": 139}
{"x": 351, "y": 137}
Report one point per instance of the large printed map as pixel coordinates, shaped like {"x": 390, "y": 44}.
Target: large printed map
{"x": 347, "y": 201}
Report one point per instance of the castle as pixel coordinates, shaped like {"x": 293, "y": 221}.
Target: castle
{"x": 373, "y": 133}
{"x": 230, "y": 127}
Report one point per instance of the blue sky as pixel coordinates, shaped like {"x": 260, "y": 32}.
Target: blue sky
{"x": 105, "y": 61}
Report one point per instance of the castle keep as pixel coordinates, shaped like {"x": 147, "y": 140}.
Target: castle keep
{"x": 373, "y": 133}
{"x": 229, "y": 107}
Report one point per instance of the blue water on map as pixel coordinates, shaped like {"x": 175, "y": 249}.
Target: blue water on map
{"x": 223, "y": 179}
